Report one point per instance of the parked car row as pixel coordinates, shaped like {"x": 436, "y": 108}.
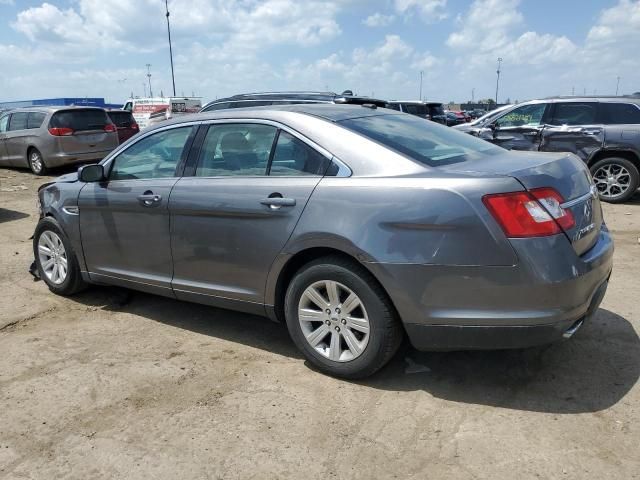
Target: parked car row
{"x": 42, "y": 138}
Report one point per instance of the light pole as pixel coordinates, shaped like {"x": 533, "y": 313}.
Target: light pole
{"x": 144, "y": 87}
{"x": 421, "y": 75}
{"x": 173, "y": 79}
{"x": 473, "y": 95}
{"x": 498, "y": 78}
{"x": 149, "y": 77}
{"x": 617, "y": 85}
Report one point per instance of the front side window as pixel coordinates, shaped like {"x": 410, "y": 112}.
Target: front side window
{"x": 421, "y": 140}
{"x": 4, "y": 123}
{"x": 525, "y": 116}
{"x": 35, "y": 119}
{"x": 293, "y": 157}
{"x": 236, "y": 149}
{"x": 155, "y": 156}
{"x": 620, "y": 113}
{"x": 18, "y": 121}
{"x": 575, "y": 113}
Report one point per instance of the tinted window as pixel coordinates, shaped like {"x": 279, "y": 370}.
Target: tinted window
{"x": 620, "y": 113}
{"x": 294, "y": 157}
{"x": 421, "y": 140}
{"x": 155, "y": 156}
{"x": 121, "y": 119}
{"x": 35, "y": 119}
{"x": 436, "y": 110}
{"x": 415, "y": 109}
{"x": 4, "y": 123}
{"x": 574, "y": 113}
{"x": 217, "y": 106}
{"x": 250, "y": 103}
{"x": 18, "y": 121}
{"x": 79, "y": 120}
{"x": 527, "y": 115}
{"x": 393, "y": 106}
{"x": 238, "y": 149}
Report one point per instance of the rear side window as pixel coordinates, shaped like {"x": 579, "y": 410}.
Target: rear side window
{"x": 79, "y": 120}
{"x": 121, "y": 119}
{"x": 415, "y": 109}
{"x": 421, "y": 140}
{"x": 619, "y": 113}
{"x": 293, "y": 157}
{"x": 394, "y": 106}
{"x": 35, "y": 119}
{"x": 18, "y": 121}
{"x": 575, "y": 113}
{"x": 236, "y": 149}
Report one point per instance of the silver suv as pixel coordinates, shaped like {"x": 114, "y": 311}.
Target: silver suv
{"x": 47, "y": 137}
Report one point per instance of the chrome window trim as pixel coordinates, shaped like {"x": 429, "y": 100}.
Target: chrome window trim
{"x": 343, "y": 169}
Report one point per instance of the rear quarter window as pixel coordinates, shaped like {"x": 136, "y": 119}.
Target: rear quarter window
{"x": 121, "y": 119}
{"x": 620, "y": 113}
{"x": 79, "y": 120}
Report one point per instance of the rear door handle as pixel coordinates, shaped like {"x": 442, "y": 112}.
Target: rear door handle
{"x": 149, "y": 199}
{"x": 277, "y": 202}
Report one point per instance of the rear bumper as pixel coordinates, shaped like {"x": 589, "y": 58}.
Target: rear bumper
{"x": 493, "y": 307}
{"x": 467, "y": 337}
{"x": 61, "y": 159}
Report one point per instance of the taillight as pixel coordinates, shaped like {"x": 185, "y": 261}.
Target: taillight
{"x": 536, "y": 213}
{"x": 61, "y": 131}
{"x": 134, "y": 126}
{"x": 110, "y": 127}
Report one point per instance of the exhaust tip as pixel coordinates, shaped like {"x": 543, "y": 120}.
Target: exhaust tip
{"x": 573, "y": 329}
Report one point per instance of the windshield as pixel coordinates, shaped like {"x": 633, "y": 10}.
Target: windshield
{"x": 421, "y": 140}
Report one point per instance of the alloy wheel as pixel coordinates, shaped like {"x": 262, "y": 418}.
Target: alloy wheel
{"x": 334, "y": 321}
{"x": 53, "y": 257}
{"x": 35, "y": 159}
{"x": 612, "y": 180}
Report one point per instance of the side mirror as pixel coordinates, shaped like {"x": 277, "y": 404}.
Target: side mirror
{"x": 91, "y": 173}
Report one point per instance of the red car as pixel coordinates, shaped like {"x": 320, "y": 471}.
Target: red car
{"x": 126, "y": 124}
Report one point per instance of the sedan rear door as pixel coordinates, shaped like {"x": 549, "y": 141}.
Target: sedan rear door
{"x": 251, "y": 181}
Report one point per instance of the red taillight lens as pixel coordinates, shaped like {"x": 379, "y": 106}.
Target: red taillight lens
{"x": 60, "y": 131}
{"x": 529, "y": 214}
{"x": 134, "y": 126}
{"x": 110, "y": 127}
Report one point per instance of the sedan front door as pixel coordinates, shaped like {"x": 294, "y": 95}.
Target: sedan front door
{"x": 521, "y": 128}
{"x": 233, "y": 217}
{"x": 124, "y": 220}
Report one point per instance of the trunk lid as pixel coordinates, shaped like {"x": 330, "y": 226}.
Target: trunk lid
{"x": 564, "y": 172}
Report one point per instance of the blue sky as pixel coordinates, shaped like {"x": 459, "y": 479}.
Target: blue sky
{"x": 379, "y": 47}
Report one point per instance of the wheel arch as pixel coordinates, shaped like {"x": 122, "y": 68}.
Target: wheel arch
{"x": 630, "y": 155}
{"x": 298, "y": 260}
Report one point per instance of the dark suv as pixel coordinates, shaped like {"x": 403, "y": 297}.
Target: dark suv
{"x": 603, "y": 131}
{"x": 430, "y": 110}
{"x": 288, "y": 98}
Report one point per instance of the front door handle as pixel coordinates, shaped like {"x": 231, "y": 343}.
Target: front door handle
{"x": 149, "y": 199}
{"x": 277, "y": 202}
{"x": 531, "y": 134}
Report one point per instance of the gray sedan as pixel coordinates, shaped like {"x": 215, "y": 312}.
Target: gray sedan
{"x": 355, "y": 225}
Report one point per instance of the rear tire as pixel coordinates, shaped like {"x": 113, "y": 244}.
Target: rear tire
{"x": 617, "y": 179}
{"x": 55, "y": 259}
{"x": 355, "y": 331}
{"x": 36, "y": 162}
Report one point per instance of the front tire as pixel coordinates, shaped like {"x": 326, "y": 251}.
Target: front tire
{"x": 36, "y": 162}
{"x": 616, "y": 178}
{"x": 56, "y": 262}
{"x": 341, "y": 319}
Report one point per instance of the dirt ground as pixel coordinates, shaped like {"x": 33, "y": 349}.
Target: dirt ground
{"x": 118, "y": 384}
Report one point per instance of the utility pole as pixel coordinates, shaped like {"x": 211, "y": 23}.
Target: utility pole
{"x": 473, "y": 95}
{"x": 421, "y": 75}
{"x": 149, "y": 77}
{"x": 144, "y": 87}
{"x": 173, "y": 79}
{"x": 498, "y": 78}
{"x": 573, "y": 91}
{"x": 617, "y": 85}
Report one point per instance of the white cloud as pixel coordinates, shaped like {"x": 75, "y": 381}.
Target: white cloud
{"x": 378, "y": 20}
{"x": 430, "y": 10}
